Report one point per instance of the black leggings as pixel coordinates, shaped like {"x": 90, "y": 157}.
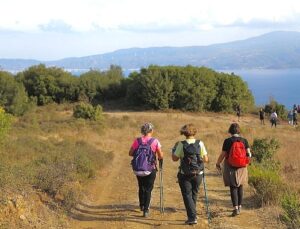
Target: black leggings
{"x": 145, "y": 188}
{"x": 236, "y": 195}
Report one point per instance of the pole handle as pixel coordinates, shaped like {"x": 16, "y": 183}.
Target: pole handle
{"x": 160, "y": 163}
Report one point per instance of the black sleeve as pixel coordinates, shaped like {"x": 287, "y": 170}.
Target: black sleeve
{"x": 246, "y": 143}
{"x": 226, "y": 145}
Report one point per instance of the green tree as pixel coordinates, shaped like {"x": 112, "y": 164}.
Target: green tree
{"x": 275, "y": 106}
{"x": 194, "y": 88}
{"x": 231, "y": 91}
{"x": 98, "y": 86}
{"x": 156, "y": 88}
{"x": 49, "y": 84}
{"x": 12, "y": 94}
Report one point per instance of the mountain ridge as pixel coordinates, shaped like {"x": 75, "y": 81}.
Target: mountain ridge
{"x": 279, "y": 50}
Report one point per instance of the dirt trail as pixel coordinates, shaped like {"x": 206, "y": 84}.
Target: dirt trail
{"x": 111, "y": 199}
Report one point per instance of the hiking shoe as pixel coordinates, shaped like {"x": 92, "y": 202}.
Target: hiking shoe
{"x": 240, "y": 209}
{"x": 235, "y": 212}
{"x": 191, "y": 221}
{"x": 146, "y": 213}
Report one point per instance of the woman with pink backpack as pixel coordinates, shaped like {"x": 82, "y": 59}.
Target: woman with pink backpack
{"x": 145, "y": 150}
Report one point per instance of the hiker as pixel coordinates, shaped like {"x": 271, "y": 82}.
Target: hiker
{"x": 295, "y": 122}
{"x": 273, "y": 119}
{"x": 294, "y": 107}
{"x": 144, "y": 151}
{"x": 262, "y": 116}
{"x": 192, "y": 155}
{"x": 290, "y": 117}
{"x": 235, "y": 173}
{"x": 238, "y": 112}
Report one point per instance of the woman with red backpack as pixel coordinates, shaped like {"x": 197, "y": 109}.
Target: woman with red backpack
{"x": 236, "y": 152}
{"x": 145, "y": 150}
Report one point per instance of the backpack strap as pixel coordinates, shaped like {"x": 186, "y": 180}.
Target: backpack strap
{"x": 150, "y": 141}
{"x": 139, "y": 140}
{"x": 184, "y": 142}
{"x": 197, "y": 144}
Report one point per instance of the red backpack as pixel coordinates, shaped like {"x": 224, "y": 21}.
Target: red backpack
{"x": 238, "y": 155}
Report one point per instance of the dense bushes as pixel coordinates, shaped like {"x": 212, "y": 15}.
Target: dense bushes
{"x": 188, "y": 88}
{"x": 87, "y": 111}
{"x": 98, "y": 86}
{"x": 49, "y": 84}
{"x": 185, "y": 88}
{"x": 265, "y": 177}
{"x": 12, "y": 94}
{"x": 264, "y": 149}
{"x": 264, "y": 173}
{"x": 267, "y": 183}
{"x": 275, "y": 106}
{"x": 290, "y": 204}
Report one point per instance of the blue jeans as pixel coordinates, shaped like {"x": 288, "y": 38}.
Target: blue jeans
{"x": 189, "y": 186}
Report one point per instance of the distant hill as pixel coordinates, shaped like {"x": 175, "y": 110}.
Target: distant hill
{"x": 275, "y": 50}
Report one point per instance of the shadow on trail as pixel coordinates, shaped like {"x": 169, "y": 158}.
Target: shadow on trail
{"x": 120, "y": 213}
{"x": 126, "y": 207}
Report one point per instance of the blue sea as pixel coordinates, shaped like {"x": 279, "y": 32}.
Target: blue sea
{"x": 281, "y": 85}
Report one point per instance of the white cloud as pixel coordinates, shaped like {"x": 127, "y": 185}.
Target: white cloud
{"x": 88, "y": 15}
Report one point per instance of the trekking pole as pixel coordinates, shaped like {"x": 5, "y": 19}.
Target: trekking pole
{"x": 206, "y": 198}
{"x": 161, "y": 202}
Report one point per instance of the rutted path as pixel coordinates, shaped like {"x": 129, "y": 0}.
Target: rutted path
{"x": 111, "y": 199}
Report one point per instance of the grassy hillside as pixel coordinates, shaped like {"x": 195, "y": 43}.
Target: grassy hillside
{"x": 50, "y": 160}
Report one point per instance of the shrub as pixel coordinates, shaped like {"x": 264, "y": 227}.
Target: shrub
{"x": 291, "y": 210}
{"x": 71, "y": 194}
{"x": 52, "y": 175}
{"x": 5, "y": 123}
{"x": 84, "y": 165}
{"x": 264, "y": 174}
{"x": 13, "y": 96}
{"x": 267, "y": 183}
{"x": 87, "y": 111}
{"x": 275, "y": 106}
{"x": 264, "y": 149}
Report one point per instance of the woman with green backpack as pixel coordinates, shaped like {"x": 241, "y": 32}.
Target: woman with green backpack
{"x": 192, "y": 154}
{"x": 236, "y": 156}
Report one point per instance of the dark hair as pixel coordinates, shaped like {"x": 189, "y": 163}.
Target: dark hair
{"x": 234, "y": 129}
{"x": 188, "y": 130}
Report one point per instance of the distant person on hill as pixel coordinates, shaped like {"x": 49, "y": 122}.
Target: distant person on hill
{"x": 192, "y": 155}
{"x": 274, "y": 119}
{"x": 295, "y": 122}
{"x": 235, "y": 173}
{"x": 262, "y": 116}
{"x": 144, "y": 151}
{"x": 290, "y": 117}
{"x": 238, "y": 111}
{"x": 295, "y": 107}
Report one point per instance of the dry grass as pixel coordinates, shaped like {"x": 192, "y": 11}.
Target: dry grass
{"x": 212, "y": 130}
{"x": 39, "y": 131}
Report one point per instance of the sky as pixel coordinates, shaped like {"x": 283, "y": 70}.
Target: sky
{"x": 56, "y": 29}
